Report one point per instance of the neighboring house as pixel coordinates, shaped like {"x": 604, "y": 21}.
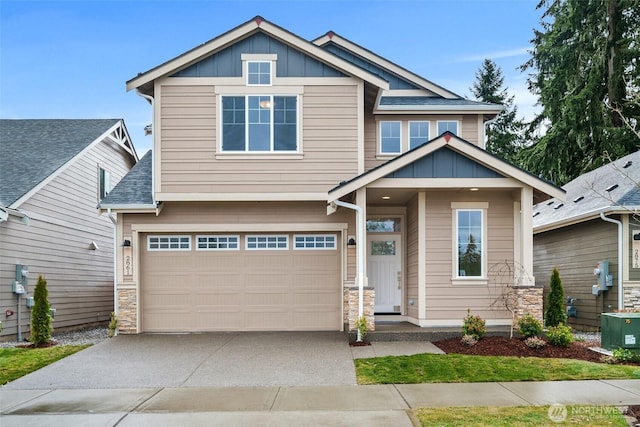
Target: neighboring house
{"x": 263, "y": 142}
{"x": 53, "y": 174}
{"x": 597, "y": 222}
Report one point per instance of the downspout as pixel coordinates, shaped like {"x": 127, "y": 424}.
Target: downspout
{"x": 153, "y": 135}
{"x": 114, "y": 220}
{"x": 360, "y": 244}
{"x": 620, "y": 256}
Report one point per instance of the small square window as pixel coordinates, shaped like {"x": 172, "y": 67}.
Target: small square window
{"x": 259, "y": 73}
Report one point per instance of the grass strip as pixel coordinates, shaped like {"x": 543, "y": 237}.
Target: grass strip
{"x": 17, "y": 362}
{"x": 520, "y": 416}
{"x": 460, "y": 368}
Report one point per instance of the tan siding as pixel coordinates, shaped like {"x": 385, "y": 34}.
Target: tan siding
{"x": 64, "y": 221}
{"x": 412, "y": 258}
{"x": 575, "y": 251}
{"x": 446, "y": 301}
{"x": 469, "y": 128}
{"x": 188, "y": 128}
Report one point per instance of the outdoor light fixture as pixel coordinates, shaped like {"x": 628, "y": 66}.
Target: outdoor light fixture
{"x": 474, "y": 189}
{"x": 126, "y": 243}
{"x": 351, "y": 242}
{"x": 386, "y": 197}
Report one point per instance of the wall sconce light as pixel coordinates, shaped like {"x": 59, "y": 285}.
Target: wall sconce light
{"x": 351, "y": 242}
{"x": 93, "y": 246}
{"x": 126, "y": 243}
{"x": 636, "y": 236}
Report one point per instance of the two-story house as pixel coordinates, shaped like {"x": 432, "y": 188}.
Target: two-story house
{"x": 296, "y": 185}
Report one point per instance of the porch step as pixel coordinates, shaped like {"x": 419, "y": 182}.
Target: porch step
{"x": 405, "y": 331}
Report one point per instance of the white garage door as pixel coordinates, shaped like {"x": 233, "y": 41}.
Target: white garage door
{"x": 240, "y": 282}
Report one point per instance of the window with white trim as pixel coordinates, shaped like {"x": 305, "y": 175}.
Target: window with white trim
{"x": 418, "y": 134}
{"x": 259, "y": 73}
{"x": 169, "y": 243}
{"x": 104, "y": 183}
{"x": 470, "y": 257}
{"x": 260, "y": 123}
{"x": 314, "y": 241}
{"x": 390, "y": 137}
{"x": 218, "y": 243}
{"x": 448, "y": 125}
{"x": 267, "y": 242}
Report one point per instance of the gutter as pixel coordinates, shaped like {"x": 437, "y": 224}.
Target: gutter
{"x": 5, "y": 212}
{"x": 620, "y": 256}
{"x": 592, "y": 214}
{"x": 360, "y": 244}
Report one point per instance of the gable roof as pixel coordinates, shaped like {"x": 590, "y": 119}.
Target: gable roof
{"x": 542, "y": 188}
{"x": 614, "y": 187}
{"x": 134, "y": 191}
{"x": 34, "y": 151}
{"x": 143, "y": 81}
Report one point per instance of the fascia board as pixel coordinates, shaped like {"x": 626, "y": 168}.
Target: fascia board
{"x": 225, "y": 39}
{"x": 64, "y": 167}
{"x": 395, "y": 109}
{"x": 585, "y": 216}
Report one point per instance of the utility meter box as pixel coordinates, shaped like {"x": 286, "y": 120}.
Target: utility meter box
{"x": 29, "y": 302}
{"x": 620, "y": 330}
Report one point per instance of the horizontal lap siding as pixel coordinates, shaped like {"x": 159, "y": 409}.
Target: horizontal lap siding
{"x": 446, "y": 301}
{"x": 412, "y": 257}
{"x": 575, "y": 250}
{"x": 329, "y": 120}
{"x": 64, "y": 221}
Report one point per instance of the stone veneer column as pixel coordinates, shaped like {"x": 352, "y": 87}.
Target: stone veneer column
{"x": 351, "y": 307}
{"x": 127, "y": 311}
{"x": 529, "y": 301}
{"x": 631, "y": 297}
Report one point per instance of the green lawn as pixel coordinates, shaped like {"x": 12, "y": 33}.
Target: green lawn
{"x": 459, "y": 368}
{"x": 519, "y": 416}
{"x": 17, "y": 362}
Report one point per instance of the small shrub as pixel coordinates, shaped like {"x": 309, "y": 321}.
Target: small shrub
{"x": 473, "y": 325}
{"x": 362, "y": 327}
{"x": 113, "y": 325}
{"x": 625, "y": 355}
{"x": 529, "y": 326}
{"x": 535, "y": 342}
{"x": 469, "y": 340}
{"x": 41, "y": 328}
{"x": 560, "y": 336}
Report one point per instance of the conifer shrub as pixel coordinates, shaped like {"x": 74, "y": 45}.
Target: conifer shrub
{"x": 555, "y": 314}
{"x": 41, "y": 327}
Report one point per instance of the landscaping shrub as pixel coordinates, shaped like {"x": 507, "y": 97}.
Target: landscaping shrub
{"x": 560, "y": 335}
{"x": 469, "y": 340}
{"x": 473, "y": 325}
{"x": 555, "y": 314}
{"x": 535, "y": 342}
{"x": 40, "y": 314}
{"x": 626, "y": 355}
{"x": 529, "y": 326}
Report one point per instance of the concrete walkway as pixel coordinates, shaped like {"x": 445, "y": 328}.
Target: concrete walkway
{"x": 374, "y": 405}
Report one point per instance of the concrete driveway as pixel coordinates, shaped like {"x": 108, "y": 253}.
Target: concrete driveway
{"x": 202, "y": 360}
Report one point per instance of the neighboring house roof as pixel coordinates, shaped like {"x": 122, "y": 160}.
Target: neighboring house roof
{"x": 143, "y": 81}
{"x": 614, "y": 187}
{"x": 134, "y": 190}
{"x": 542, "y": 189}
{"x": 32, "y": 152}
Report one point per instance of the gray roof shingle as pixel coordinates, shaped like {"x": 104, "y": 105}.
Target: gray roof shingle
{"x": 134, "y": 188}
{"x": 610, "y": 185}
{"x": 31, "y": 150}
{"x": 430, "y": 101}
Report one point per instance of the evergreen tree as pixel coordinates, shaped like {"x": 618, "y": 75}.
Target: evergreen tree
{"x": 583, "y": 62}
{"x": 555, "y": 314}
{"x": 504, "y": 135}
{"x": 40, "y": 314}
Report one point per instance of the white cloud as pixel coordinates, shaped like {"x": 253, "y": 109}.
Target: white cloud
{"x": 509, "y": 53}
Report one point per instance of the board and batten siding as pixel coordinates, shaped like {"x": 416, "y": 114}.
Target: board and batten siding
{"x": 575, "y": 250}
{"x": 188, "y": 128}
{"x": 64, "y": 221}
{"x": 444, "y": 300}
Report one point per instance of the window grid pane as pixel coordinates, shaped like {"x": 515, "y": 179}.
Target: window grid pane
{"x": 418, "y": 134}
{"x": 451, "y": 126}
{"x": 259, "y": 73}
{"x": 390, "y": 137}
{"x": 470, "y": 263}
{"x": 169, "y": 243}
{"x": 217, "y": 242}
{"x": 267, "y": 242}
{"x": 320, "y": 241}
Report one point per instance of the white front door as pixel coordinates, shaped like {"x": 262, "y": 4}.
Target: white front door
{"x": 384, "y": 269}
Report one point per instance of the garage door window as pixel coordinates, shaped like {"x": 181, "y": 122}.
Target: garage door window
{"x": 276, "y": 242}
{"x": 217, "y": 243}
{"x": 169, "y": 243}
{"x": 321, "y": 241}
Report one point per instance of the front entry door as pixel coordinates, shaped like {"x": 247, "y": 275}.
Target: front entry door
{"x": 384, "y": 269}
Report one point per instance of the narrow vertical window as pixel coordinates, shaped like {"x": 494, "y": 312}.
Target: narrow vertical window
{"x": 104, "y": 186}
{"x": 469, "y": 242}
{"x": 418, "y": 134}
{"x": 390, "y": 138}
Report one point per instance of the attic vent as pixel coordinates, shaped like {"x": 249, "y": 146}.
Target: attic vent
{"x": 535, "y": 214}
{"x": 611, "y": 188}
{"x": 550, "y": 203}
{"x": 626, "y": 165}
{"x": 577, "y": 199}
{"x": 559, "y": 206}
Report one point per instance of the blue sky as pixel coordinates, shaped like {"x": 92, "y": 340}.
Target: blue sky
{"x": 71, "y": 59}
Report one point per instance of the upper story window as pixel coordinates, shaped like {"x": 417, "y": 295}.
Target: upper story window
{"x": 104, "y": 183}
{"x": 390, "y": 138}
{"x": 418, "y": 134}
{"x": 448, "y": 125}
{"x": 260, "y": 123}
{"x": 259, "y": 73}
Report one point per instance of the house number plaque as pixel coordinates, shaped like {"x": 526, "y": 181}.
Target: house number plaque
{"x": 635, "y": 250}
{"x": 128, "y": 262}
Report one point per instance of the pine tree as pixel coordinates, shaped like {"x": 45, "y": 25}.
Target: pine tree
{"x": 555, "y": 314}
{"x": 40, "y": 314}
{"x": 504, "y": 135}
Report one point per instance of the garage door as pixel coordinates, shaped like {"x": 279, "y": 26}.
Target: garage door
{"x": 240, "y": 282}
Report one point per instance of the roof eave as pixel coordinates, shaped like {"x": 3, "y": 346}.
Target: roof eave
{"x": 585, "y": 216}
{"x": 439, "y": 108}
